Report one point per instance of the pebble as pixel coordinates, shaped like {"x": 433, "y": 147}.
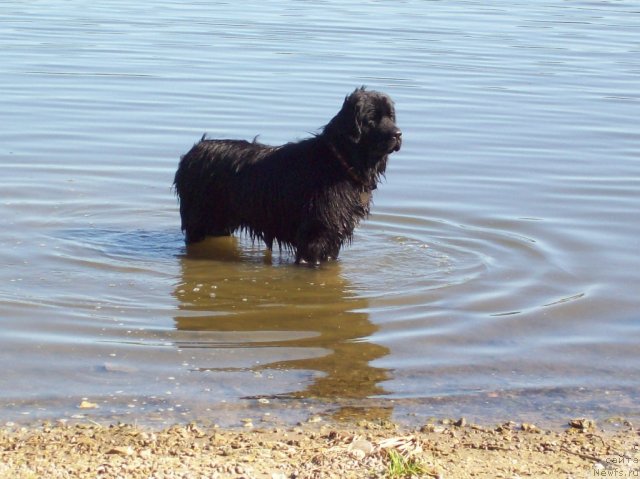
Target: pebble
{"x": 87, "y": 405}
{"x": 121, "y": 451}
{"x": 582, "y": 424}
{"x": 366, "y": 447}
{"x": 247, "y": 422}
{"x": 462, "y": 422}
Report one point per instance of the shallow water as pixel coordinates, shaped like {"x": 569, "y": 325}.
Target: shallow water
{"x": 497, "y": 276}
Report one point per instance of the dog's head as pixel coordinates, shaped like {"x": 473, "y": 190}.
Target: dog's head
{"x": 365, "y": 129}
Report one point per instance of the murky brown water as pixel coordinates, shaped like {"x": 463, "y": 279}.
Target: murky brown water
{"x": 497, "y": 277}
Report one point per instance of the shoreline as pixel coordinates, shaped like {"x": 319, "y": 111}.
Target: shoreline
{"x": 442, "y": 449}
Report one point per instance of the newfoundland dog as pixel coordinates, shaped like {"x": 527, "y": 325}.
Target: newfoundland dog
{"x": 307, "y": 196}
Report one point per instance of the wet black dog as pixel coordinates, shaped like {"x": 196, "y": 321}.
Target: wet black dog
{"x": 307, "y": 196}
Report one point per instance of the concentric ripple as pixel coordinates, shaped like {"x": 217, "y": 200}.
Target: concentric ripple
{"x": 495, "y": 268}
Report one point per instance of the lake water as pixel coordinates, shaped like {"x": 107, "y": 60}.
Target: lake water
{"x": 497, "y": 278}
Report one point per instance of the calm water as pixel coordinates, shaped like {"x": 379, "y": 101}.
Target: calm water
{"x": 497, "y": 278}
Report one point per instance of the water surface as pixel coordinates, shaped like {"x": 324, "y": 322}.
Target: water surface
{"x": 497, "y": 277}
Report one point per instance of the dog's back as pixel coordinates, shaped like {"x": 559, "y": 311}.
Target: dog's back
{"x": 225, "y": 185}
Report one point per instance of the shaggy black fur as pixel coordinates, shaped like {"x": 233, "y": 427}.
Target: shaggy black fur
{"x": 307, "y": 196}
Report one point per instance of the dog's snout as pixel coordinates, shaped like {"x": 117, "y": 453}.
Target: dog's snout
{"x": 397, "y": 136}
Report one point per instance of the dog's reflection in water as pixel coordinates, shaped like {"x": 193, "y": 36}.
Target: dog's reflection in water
{"x": 300, "y": 321}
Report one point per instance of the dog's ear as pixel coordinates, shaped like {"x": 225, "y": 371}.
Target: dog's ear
{"x": 348, "y": 123}
{"x": 351, "y": 115}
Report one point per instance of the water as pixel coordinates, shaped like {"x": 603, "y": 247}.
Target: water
{"x": 497, "y": 277}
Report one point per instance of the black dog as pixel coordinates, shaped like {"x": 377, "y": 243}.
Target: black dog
{"x": 307, "y": 196}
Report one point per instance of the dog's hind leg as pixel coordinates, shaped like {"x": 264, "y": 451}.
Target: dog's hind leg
{"x": 193, "y": 234}
{"x": 194, "y": 231}
{"x": 198, "y": 224}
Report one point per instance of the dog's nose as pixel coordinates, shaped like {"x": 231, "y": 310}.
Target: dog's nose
{"x": 397, "y": 135}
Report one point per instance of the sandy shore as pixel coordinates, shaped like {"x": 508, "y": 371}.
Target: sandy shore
{"x": 447, "y": 449}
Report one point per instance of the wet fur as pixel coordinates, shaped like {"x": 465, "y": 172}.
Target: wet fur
{"x": 306, "y": 196}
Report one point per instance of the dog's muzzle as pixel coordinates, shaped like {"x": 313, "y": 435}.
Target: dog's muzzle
{"x": 397, "y": 138}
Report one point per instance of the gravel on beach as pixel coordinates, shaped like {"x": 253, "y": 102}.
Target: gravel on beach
{"x": 443, "y": 449}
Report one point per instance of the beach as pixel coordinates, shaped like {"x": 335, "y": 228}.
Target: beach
{"x": 444, "y": 449}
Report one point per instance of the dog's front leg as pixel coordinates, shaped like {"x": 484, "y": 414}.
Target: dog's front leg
{"x": 316, "y": 243}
